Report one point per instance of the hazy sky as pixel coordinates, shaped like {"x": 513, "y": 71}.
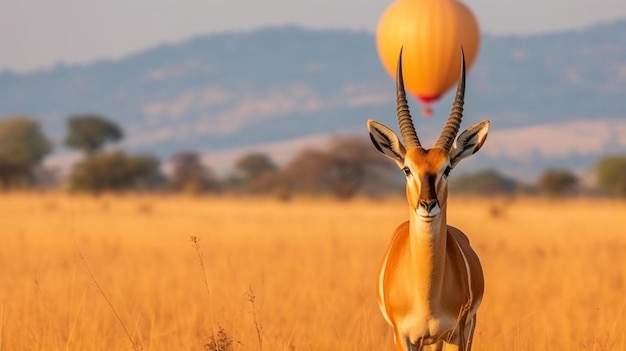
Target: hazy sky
{"x": 39, "y": 33}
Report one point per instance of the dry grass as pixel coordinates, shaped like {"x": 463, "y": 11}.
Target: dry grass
{"x": 291, "y": 276}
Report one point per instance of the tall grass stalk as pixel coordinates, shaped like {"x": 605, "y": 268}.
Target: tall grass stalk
{"x": 73, "y": 326}
{"x": 257, "y": 323}
{"x": 196, "y": 244}
{"x": 106, "y": 298}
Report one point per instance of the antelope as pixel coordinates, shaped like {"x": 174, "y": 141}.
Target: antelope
{"x": 430, "y": 283}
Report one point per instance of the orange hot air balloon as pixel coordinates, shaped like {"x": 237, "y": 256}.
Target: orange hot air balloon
{"x": 430, "y": 33}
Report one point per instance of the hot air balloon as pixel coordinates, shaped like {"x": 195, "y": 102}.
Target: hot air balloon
{"x": 431, "y": 34}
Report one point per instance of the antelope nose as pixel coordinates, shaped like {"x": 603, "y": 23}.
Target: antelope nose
{"x": 428, "y": 205}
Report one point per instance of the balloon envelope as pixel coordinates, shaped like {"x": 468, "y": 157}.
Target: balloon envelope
{"x": 430, "y": 33}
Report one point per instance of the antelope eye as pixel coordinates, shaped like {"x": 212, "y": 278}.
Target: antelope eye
{"x": 447, "y": 171}
{"x": 407, "y": 171}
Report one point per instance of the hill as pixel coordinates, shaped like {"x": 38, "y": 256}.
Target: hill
{"x": 553, "y": 99}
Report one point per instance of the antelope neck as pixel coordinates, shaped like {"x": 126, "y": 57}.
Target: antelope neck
{"x": 427, "y": 246}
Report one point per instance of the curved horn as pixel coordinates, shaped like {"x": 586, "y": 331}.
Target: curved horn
{"x": 450, "y": 130}
{"x": 407, "y": 130}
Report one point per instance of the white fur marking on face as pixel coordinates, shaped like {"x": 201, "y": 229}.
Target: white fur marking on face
{"x": 421, "y": 212}
{"x": 423, "y": 225}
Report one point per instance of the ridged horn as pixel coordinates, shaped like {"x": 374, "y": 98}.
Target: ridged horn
{"x": 451, "y": 129}
{"x": 407, "y": 129}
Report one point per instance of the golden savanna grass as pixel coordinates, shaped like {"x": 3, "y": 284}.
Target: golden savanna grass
{"x": 299, "y": 275}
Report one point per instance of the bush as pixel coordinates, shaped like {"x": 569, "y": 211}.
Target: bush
{"x": 115, "y": 172}
{"x": 189, "y": 175}
{"x": 485, "y": 182}
{"x": 558, "y": 182}
{"x": 350, "y": 165}
{"x": 611, "y": 175}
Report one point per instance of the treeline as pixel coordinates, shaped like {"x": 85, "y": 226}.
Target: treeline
{"x": 348, "y": 166}
{"x": 609, "y": 175}
{"x": 351, "y": 165}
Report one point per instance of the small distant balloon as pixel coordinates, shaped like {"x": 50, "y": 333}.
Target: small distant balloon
{"x": 430, "y": 33}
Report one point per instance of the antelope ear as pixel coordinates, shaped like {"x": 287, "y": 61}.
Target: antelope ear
{"x": 386, "y": 141}
{"x": 469, "y": 142}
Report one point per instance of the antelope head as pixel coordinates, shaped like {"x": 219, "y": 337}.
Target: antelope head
{"x": 427, "y": 170}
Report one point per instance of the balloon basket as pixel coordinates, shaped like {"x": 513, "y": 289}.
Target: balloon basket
{"x": 427, "y": 111}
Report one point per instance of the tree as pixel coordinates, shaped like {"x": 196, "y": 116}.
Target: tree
{"x": 611, "y": 175}
{"x": 485, "y": 182}
{"x": 254, "y": 164}
{"x": 343, "y": 170}
{"x": 348, "y": 163}
{"x": 256, "y": 173}
{"x": 190, "y": 175}
{"x": 557, "y": 182}
{"x": 304, "y": 172}
{"x": 90, "y": 132}
{"x": 115, "y": 172}
{"x": 22, "y": 147}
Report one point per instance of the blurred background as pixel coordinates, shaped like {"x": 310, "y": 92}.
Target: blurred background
{"x": 235, "y": 96}
{"x": 137, "y": 100}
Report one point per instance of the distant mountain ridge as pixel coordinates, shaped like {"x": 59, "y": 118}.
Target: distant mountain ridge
{"x": 233, "y": 91}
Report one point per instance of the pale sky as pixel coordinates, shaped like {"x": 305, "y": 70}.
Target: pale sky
{"x": 36, "y": 34}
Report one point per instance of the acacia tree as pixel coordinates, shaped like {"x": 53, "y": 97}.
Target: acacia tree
{"x": 22, "y": 147}
{"x": 90, "y": 132}
{"x": 113, "y": 171}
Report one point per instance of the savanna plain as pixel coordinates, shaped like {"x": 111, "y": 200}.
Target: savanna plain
{"x": 208, "y": 273}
